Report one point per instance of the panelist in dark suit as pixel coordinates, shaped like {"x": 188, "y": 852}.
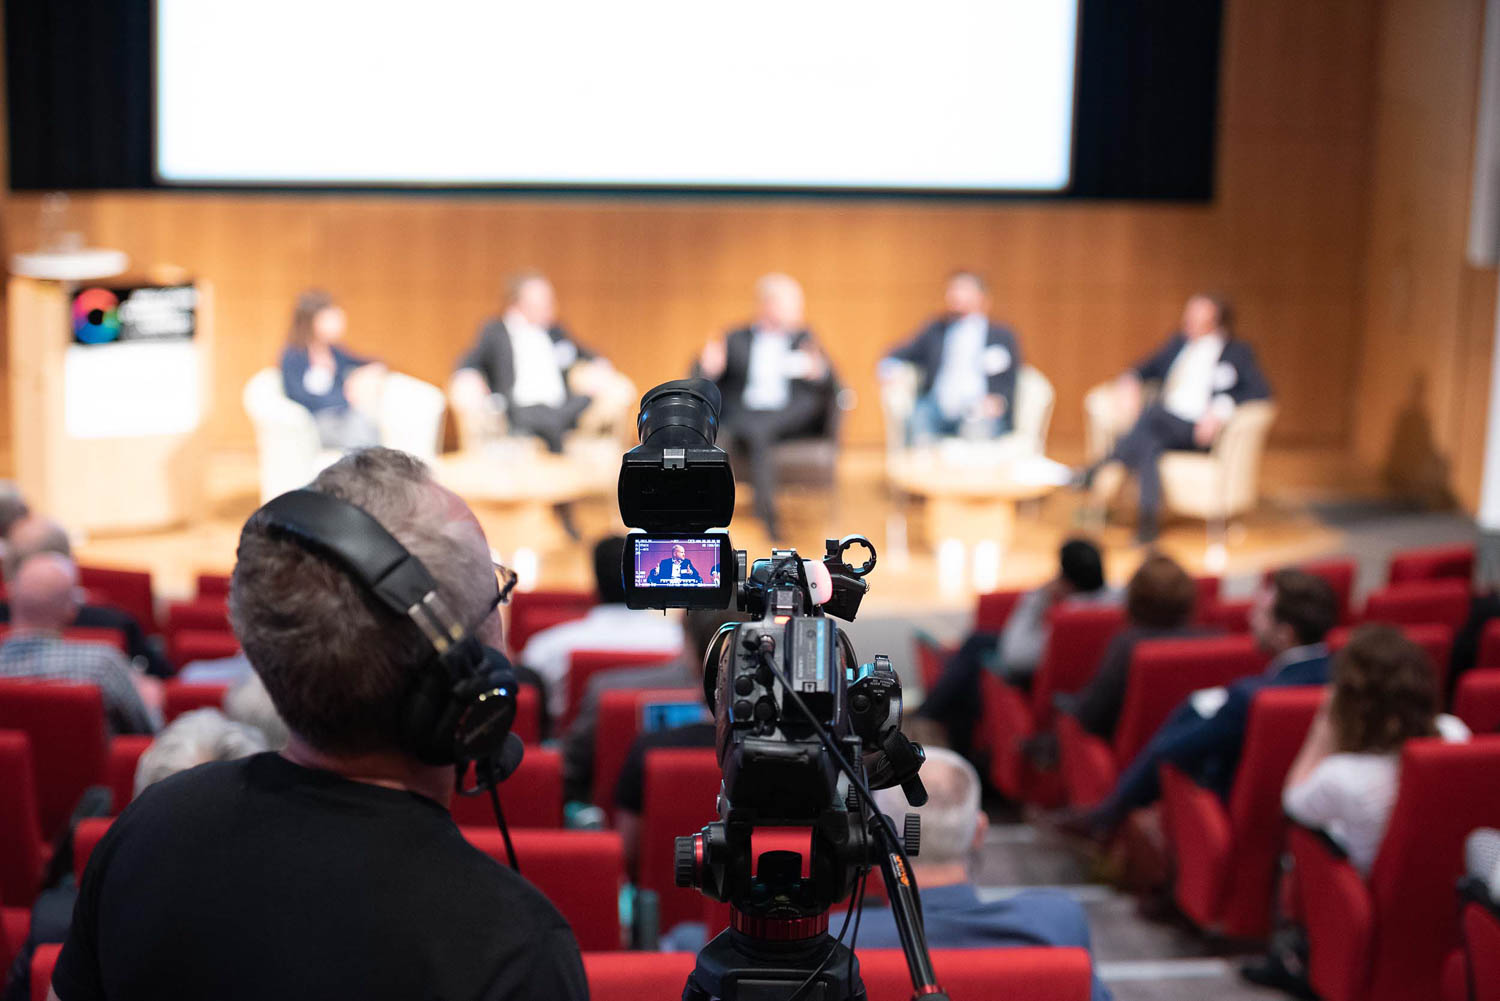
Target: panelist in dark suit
{"x": 776, "y": 383}
{"x": 1205, "y": 372}
{"x": 523, "y": 359}
{"x": 1290, "y": 619}
{"x": 967, "y": 366}
{"x": 676, "y": 567}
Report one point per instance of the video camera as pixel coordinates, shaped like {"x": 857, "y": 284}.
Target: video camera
{"x": 798, "y": 719}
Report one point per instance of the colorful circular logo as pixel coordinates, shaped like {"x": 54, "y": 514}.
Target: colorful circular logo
{"x": 96, "y": 318}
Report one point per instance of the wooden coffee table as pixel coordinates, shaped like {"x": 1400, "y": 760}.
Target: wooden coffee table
{"x": 516, "y": 491}
{"x": 970, "y": 501}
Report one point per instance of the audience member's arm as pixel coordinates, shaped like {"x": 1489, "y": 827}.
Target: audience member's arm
{"x": 1310, "y": 795}
{"x": 1002, "y": 384}
{"x": 1156, "y": 367}
{"x": 1098, "y": 705}
{"x": 714, "y": 359}
{"x": 1025, "y": 633}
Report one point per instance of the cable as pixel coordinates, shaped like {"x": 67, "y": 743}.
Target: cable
{"x": 854, "y": 939}
{"x": 832, "y": 949}
{"x": 510, "y": 849}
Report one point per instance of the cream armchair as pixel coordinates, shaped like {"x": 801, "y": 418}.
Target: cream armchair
{"x": 286, "y": 437}
{"x": 610, "y": 417}
{"x": 1034, "y": 403}
{"x": 1223, "y": 483}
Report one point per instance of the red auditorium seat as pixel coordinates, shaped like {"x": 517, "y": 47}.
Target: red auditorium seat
{"x": 533, "y": 611}
{"x": 680, "y": 797}
{"x": 23, "y": 852}
{"x": 931, "y": 656}
{"x": 183, "y": 648}
{"x": 1340, "y": 575}
{"x": 1229, "y": 616}
{"x": 182, "y": 696}
{"x": 1009, "y": 974}
{"x": 86, "y": 836}
{"x": 584, "y": 664}
{"x": 15, "y": 925}
{"x": 42, "y": 963}
{"x": 213, "y": 585}
{"x": 993, "y": 610}
{"x": 1435, "y": 640}
{"x": 1162, "y": 674}
{"x": 1388, "y": 940}
{"x": 1433, "y": 563}
{"x": 1480, "y": 959}
{"x": 1208, "y": 596}
{"x": 1226, "y": 856}
{"x": 1477, "y": 701}
{"x": 68, "y": 741}
{"x": 84, "y": 634}
{"x": 619, "y": 722}
{"x": 528, "y": 724}
{"x": 1420, "y": 602}
{"x": 124, "y": 755}
{"x": 198, "y": 630}
{"x": 203, "y": 615}
{"x": 128, "y": 590}
{"x": 1077, "y": 643}
{"x": 1489, "y": 645}
{"x": 581, "y": 872}
{"x": 532, "y": 797}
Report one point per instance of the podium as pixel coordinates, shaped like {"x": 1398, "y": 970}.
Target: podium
{"x": 109, "y": 389}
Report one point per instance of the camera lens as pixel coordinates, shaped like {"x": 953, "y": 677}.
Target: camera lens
{"x": 684, "y": 413}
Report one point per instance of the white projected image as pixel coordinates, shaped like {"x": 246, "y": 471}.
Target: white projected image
{"x": 945, "y": 94}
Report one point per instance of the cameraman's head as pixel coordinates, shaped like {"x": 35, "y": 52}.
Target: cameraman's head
{"x": 338, "y": 665}
{"x": 953, "y": 824}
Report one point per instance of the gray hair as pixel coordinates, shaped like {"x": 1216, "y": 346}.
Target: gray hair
{"x": 249, "y": 703}
{"x": 30, "y": 535}
{"x": 775, "y": 282}
{"x": 951, "y": 815}
{"x": 192, "y": 739}
{"x": 13, "y": 506}
{"x": 337, "y": 664}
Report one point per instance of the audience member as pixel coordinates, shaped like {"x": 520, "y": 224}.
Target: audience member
{"x": 1482, "y": 860}
{"x": 1159, "y": 602}
{"x": 1205, "y": 372}
{"x": 44, "y": 600}
{"x": 350, "y": 845}
{"x": 953, "y": 915}
{"x": 1345, "y": 778}
{"x": 248, "y": 703}
{"x": 776, "y": 382}
{"x": 966, "y": 367}
{"x": 13, "y": 508}
{"x": 531, "y": 370}
{"x": 192, "y": 739}
{"x": 341, "y": 389}
{"x": 1290, "y": 619}
{"x": 609, "y": 625}
{"x": 685, "y": 672}
{"x": 1015, "y": 651}
{"x": 34, "y": 534}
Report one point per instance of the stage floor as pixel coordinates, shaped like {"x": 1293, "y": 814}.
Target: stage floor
{"x": 909, "y": 582}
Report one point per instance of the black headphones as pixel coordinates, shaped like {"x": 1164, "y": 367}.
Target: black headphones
{"x": 463, "y": 701}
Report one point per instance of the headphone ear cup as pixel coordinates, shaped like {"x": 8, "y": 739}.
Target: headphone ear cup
{"x": 488, "y": 709}
{"x": 428, "y": 715}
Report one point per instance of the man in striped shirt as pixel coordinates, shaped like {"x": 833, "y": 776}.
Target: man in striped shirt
{"x": 44, "y": 600}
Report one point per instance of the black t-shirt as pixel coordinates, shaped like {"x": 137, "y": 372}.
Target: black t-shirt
{"x": 261, "y": 879}
{"x": 631, "y": 785}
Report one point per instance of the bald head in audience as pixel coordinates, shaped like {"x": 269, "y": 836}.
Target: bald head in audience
{"x": 44, "y": 593}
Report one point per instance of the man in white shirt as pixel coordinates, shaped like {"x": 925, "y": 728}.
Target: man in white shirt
{"x": 776, "y": 383}
{"x": 523, "y": 363}
{"x": 966, "y": 366}
{"x": 1205, "y": 373}
{"x": 609, "y": 625}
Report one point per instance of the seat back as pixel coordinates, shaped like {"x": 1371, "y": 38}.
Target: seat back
{"x": 86, "y": 837}
{"x": 1076, "y": 643}
{"x": 182, "y": 697}
{"x": 1447, "y": 790}
{"x": 212, "y": 586}
{"x": 528, "y": 724}
{"x": 210, "y": 614}
{"x": 124, "y": 755}
{"x": 1340, "y": 575}
{"x": 21, "y": 847}
{"x": 533, "y": 611}
{"x": 1420, "y": 603}
{"x": 1433, "y": 563}
{"x": 532, "y": 797}
{"x": 993, "y": 609}
{"x": 580, "y": 872}
{"x": 1035, "y": 399}
{"x": 68, "y": 741}
{"x": 1477, "y": 701}
{"x": 1481, "y": 933}
{"x": 680, "y": 797}
{"x": 633, "y": 976}
{"x": 618, "y": 723}
{"x": 1489, "y": 645}
{"x": 584, "y": 664}
{"x": 1436, "y": 642}
{"x": 1227, "y": 616}
{"x": 128, "y": 590}
{"x": 190, "y": 645}
{"x": 42, "y": 963}
{"x": 1208, "y": 589}
{"x": 1278, "y": 724}
{"x": 1164, "y": 672}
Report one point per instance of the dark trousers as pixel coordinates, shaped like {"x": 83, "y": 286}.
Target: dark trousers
{"x": 549, "y": 423}
{"x": 756, "y": 433}
{"x": 954, "y": 700}
{"x": 1140, "y": 451}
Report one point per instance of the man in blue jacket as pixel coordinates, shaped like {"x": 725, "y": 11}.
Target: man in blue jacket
{"x": 1205, "y": 372}
{"x": 967, "y": 366}
{"x": 1291, "y": 618}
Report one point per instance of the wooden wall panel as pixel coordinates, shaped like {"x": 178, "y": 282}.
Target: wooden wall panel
{"x": 1089, "y": 286}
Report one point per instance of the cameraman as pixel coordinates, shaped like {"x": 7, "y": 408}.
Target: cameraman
{"x": 332, "y": 869}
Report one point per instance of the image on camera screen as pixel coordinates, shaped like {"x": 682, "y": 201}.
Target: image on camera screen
{"x": 677, "y": 563}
